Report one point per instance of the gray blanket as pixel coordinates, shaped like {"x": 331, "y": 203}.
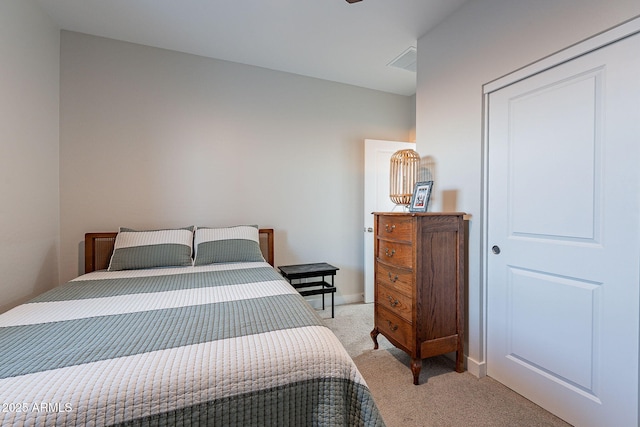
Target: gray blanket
{"x": 217, "y": 345}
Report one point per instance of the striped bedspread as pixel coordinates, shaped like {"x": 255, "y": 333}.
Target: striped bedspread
{"x": 224, "y": 345}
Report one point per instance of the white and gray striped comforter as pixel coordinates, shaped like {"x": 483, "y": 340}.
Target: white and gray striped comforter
{"x": 223, "y": 345}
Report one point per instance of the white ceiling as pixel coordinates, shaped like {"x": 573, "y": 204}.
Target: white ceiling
{"x": 327, "y": 39}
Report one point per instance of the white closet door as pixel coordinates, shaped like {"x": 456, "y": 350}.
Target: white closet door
{"x": 563, "y": 236}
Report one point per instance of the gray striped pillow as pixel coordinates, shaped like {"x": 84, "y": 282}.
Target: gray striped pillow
{"x": 134, "y": 250}
{"x": 231, "y": 244}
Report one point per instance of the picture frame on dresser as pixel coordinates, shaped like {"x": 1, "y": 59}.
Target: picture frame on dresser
{"x": 421, "y": 196}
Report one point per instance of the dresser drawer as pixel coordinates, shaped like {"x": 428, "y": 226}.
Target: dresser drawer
{"x": 395, "y": 228}
{"x": 394, "y": 301}
{"x": 395, "y": 278}
{"x": 399, "y": 254}
{"x": 394, "y": 327}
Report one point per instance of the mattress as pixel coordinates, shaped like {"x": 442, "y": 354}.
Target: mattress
{"x": 222, "y": 344}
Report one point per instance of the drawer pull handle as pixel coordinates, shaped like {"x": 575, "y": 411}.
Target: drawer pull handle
{"x": 393, "y": 302}
{"x": 392, "y": 326}
{"x": 389, "y": 228}
{"x": 389, "y": 253}
{"x": 393, "y": 279}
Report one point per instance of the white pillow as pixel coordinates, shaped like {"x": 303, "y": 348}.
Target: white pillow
{"x": 230, "y": 244}
{"x": 135, "y": 250}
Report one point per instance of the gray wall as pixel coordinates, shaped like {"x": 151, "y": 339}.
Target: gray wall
{"x": 480, "y": 42}
{"x": 155, "y": 138}
{"x": 29, "y": 209}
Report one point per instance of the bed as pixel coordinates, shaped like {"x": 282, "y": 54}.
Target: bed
{"x": 220, "y": 339}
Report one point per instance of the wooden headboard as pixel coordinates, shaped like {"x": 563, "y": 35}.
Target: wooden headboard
{"x": 98, "y": 248}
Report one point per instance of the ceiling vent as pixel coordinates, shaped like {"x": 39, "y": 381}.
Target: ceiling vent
{"x": 406, "y": 60}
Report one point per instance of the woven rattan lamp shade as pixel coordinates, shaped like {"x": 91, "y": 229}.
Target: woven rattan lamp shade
{"x": 404, "y": 173}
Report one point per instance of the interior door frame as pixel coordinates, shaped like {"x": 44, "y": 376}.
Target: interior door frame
{"x": 617, "y": 33}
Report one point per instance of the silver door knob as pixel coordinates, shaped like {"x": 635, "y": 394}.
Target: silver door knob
{"x": 495, "y": 249}
{"x": 369, "y": 230}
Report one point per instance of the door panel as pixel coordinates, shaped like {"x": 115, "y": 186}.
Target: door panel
{"x": 532, "y": 314}
{"x": 564, "y": 195}
{"x": 555, "y": 129}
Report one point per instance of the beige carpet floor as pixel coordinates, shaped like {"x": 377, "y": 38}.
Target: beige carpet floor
{"x": 444, "y": 397}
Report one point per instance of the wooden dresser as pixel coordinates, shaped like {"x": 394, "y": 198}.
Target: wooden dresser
{"x": 419, "y": 284}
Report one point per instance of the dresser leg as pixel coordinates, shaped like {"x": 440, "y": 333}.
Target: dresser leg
{"x": 374, "y": 337}
{"x": 459, "y": 361}
{"x": 416, "y": 366}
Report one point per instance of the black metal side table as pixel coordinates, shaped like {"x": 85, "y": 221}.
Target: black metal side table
{"x": 302, "y": 271}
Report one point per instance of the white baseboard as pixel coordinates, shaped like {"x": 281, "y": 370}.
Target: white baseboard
{"x": 475, "y": 368}
{"x": 316, "y": 300}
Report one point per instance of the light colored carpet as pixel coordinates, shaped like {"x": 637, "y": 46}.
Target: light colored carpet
{"x": 443, "y": 398}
